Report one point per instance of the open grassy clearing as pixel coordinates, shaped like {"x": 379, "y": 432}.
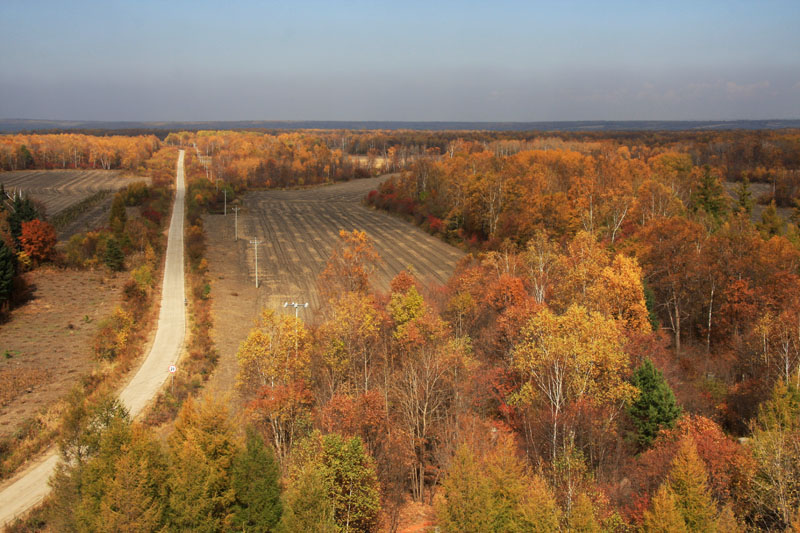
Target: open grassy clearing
{"x": 46, "y": 345}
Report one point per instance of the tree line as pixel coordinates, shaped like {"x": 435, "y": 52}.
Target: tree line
{"x": 70, "y": 150}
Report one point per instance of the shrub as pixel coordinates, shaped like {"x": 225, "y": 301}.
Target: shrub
{"x": 112, "y": 338}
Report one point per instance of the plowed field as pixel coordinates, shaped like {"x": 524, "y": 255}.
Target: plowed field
{"x": 59, "y": 189}
{"x": 298, "y": 230}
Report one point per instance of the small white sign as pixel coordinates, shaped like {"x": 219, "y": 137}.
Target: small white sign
{"x": 172, "y": 369}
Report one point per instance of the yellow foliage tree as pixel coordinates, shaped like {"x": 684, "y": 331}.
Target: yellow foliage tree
{"x": 494, "y": 493}
{"x": 663, "y": 515}
{"x": 618, "y": 292}
{"x": 347, "y": 339}
{"x": 688, "y": 480}
{"x": 578, "y": 269}
{"x": 572, "y": 357}
{"x": 276, "y": 352}
{"x": 582, "y": 518}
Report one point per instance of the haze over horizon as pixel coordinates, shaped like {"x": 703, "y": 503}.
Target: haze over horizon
{"x": 447, "y": 61}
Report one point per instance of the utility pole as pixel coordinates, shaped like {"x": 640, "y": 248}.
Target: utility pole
{"x": 236, "y": 223}
{"x": 296, "y": 306}
{"x": 255, "y": 243}
{"x": 225, "y": 192}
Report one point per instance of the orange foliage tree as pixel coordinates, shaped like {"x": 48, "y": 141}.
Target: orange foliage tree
{"x": 38, "y": 240}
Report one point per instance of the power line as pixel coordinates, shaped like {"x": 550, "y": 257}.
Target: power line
{"x": 255, "y": 243}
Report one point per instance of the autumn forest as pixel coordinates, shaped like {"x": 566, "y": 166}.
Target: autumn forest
{"x": 618, "y": 350}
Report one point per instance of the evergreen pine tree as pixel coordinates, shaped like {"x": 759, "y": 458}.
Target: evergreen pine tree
{"x": 256, "y": 478}
{"x": 650, "y": 303}
{"x": 24, "y": 157}
{"x": 464, "y": 498}
{"x": 744, "y": 198}
{"x": 114, "y": 259}
{"x": 688, "y": 480}
{"x": 710, "y": 196}
{"x": 129, "y": 502}
{"x": 771, "y": 222}
{"x": 201, "y": 452}
{"x": 655, "y": 408}
{"x": 22, "y": 210}
{"x": 7, "y": 271}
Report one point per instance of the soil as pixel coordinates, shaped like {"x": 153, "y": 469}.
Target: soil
{"x": 298, "y": 230}
{"x": 46, "y": 344}
{"x": 59, "y": 189}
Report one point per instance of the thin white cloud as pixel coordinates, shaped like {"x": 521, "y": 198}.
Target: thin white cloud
{"x": 745, "y": 90}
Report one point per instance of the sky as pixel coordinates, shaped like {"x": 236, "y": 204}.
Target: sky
{"x": 510, "y": 61}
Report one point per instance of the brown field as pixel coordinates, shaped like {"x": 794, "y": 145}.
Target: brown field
{"x": 760, "y": 191}
{"x": 46, "y": 345}
{"x": 298, "y": 230}
{"x": 59, "y": 189}
{"x": 378, "y": 162}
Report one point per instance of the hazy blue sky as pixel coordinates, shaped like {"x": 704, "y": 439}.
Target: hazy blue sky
{"x": 399, "y": 60}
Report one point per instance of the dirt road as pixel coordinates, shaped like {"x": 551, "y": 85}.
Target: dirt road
{"x": 29, "y": 487}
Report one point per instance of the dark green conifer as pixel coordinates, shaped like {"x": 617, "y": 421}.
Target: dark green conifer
{"x": 22, "y": 210}
{"x": 710, "y": 196}
{"x": 256, "y": 481}
{"x": 114, "y": 258}
{"x": 655, "y": 408}
{"x": 7, "y": 271}
{"x": 744, "y": 198}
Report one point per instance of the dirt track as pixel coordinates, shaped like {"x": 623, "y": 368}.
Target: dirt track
{"x": 299, "y": 229}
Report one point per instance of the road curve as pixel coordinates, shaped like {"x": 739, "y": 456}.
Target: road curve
{"x": 29, "y": 487}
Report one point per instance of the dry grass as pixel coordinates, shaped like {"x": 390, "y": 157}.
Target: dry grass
{"x": 16, "y": 381}
{"x": 49, "y": 340}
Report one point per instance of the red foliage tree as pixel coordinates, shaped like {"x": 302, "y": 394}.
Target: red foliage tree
{"x": 38, "y": 239}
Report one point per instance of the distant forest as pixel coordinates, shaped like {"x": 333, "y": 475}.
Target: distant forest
{"x": 161, "y": 128}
